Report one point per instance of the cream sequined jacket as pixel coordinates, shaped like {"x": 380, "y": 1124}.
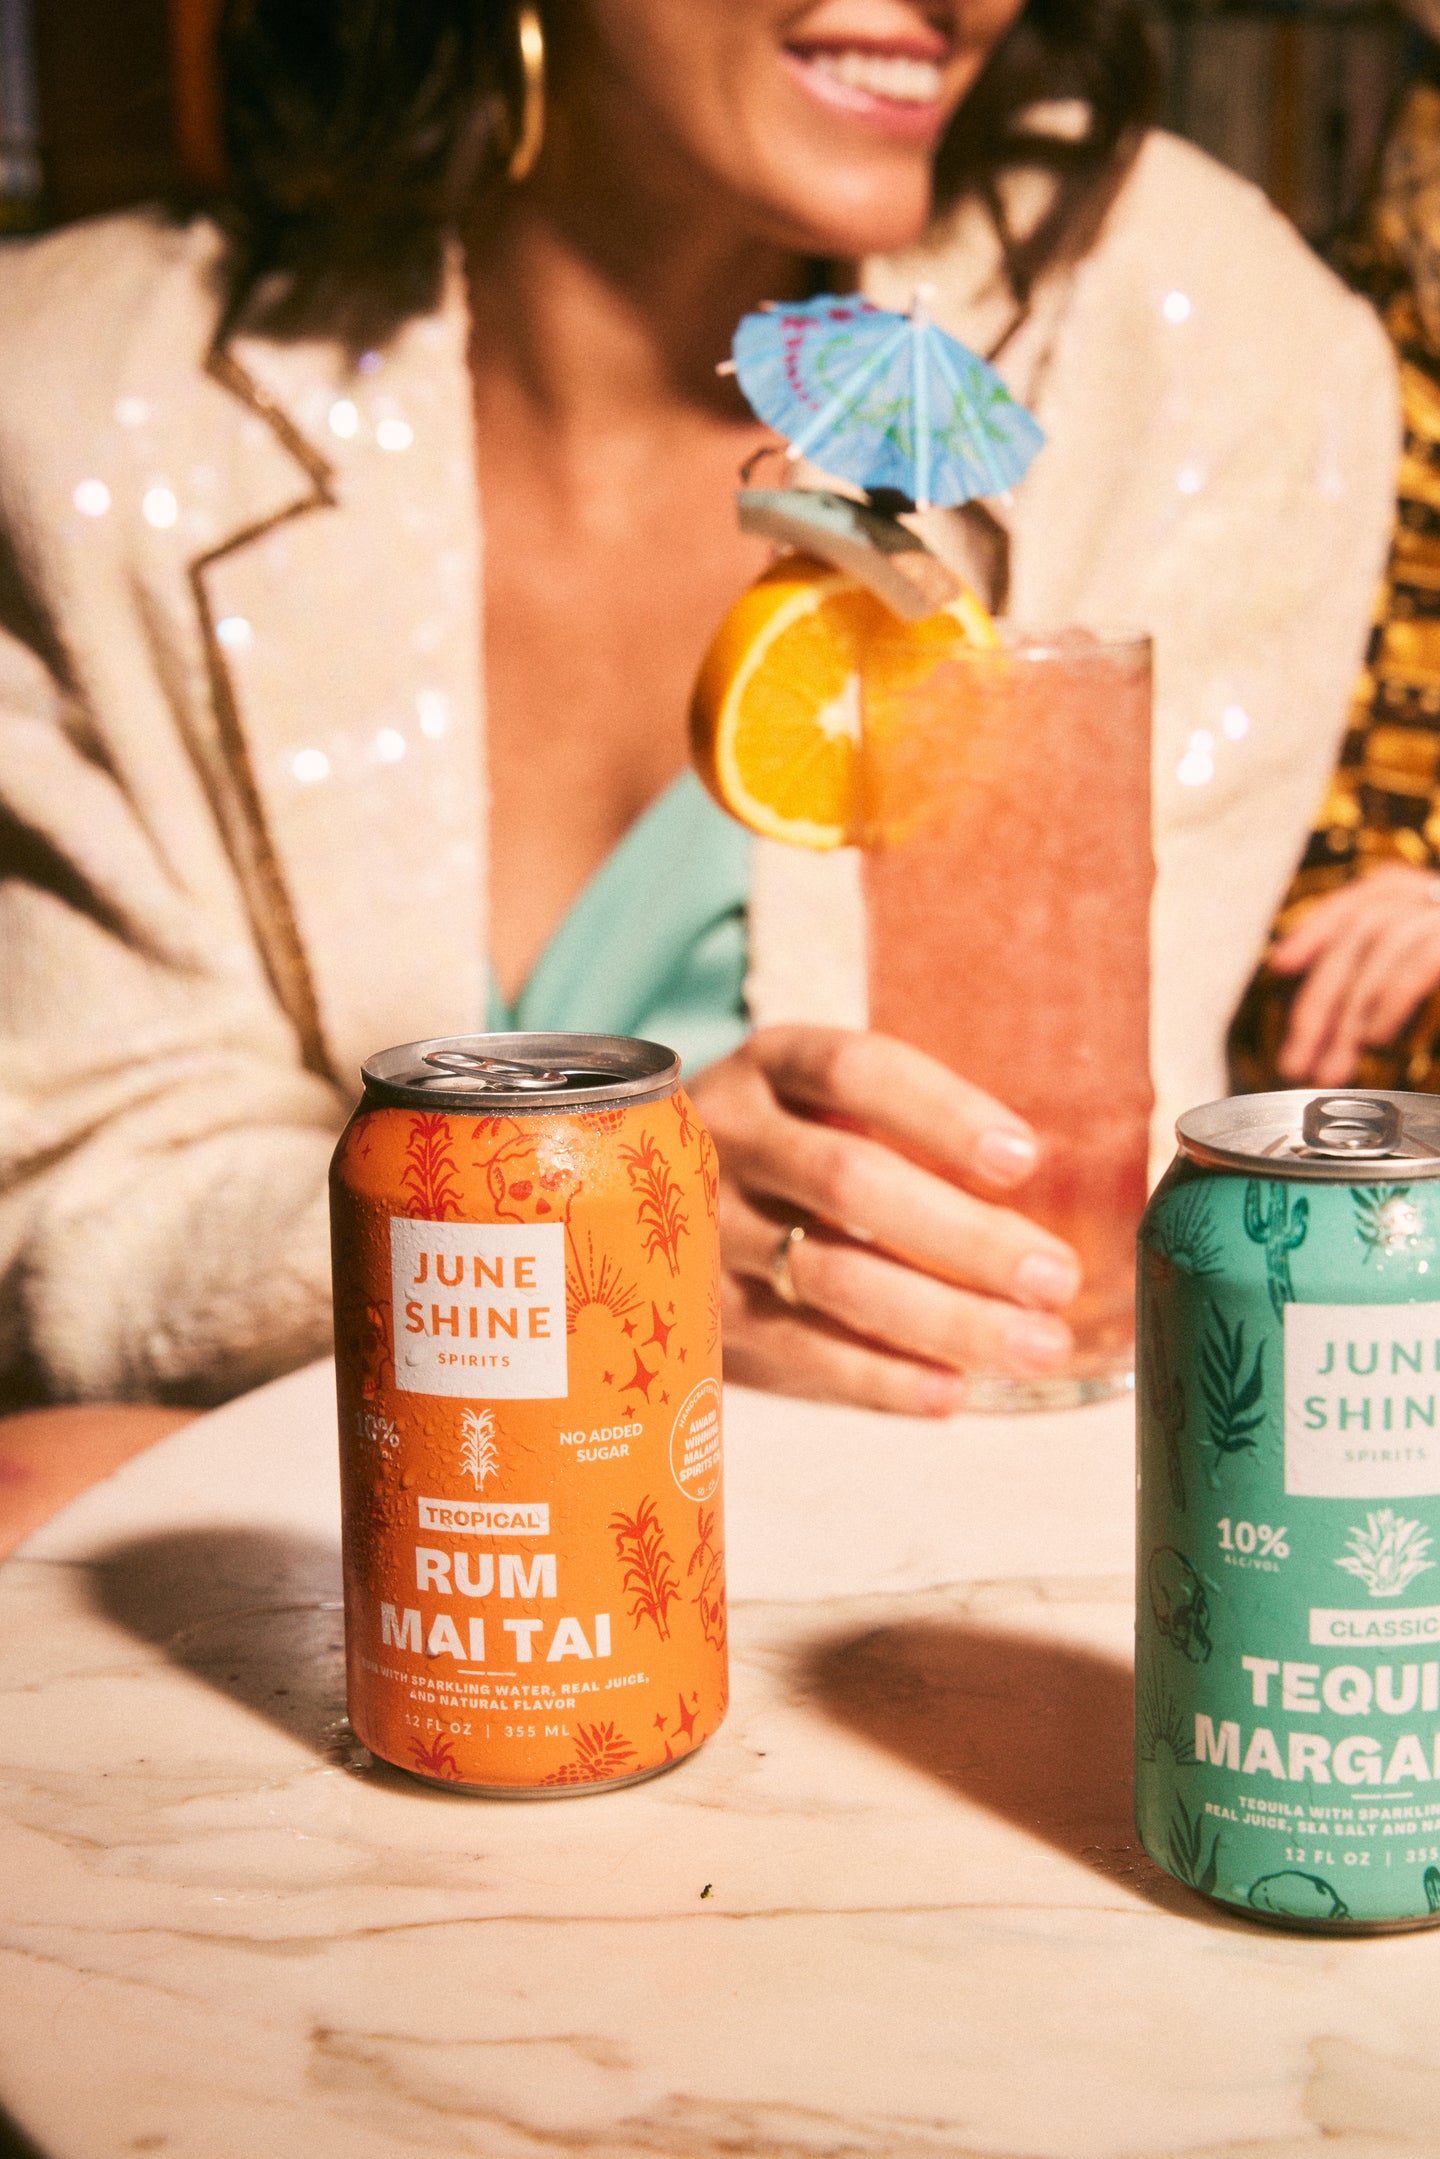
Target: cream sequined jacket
{"x": 242, "y": 774}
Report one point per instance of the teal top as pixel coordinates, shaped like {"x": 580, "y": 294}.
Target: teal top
{"x": 655, "y": 943}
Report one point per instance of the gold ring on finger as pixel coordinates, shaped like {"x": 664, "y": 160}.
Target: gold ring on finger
{"x": 782, "y": 1281}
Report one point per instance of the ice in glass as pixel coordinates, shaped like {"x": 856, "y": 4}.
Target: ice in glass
{"x": 1008, "y": 872}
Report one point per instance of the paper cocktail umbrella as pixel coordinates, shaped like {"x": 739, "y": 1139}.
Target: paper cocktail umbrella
{"x": 884, "y": 400}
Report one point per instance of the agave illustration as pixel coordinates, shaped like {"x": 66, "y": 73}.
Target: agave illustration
{"x": 1388, "y": 1553}
{"x": 1185, "y": 1849}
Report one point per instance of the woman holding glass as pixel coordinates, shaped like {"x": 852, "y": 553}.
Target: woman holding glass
{"x": 362, "y": 540}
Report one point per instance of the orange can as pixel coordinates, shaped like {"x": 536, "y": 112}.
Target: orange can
{"x": 527, "y": 1341}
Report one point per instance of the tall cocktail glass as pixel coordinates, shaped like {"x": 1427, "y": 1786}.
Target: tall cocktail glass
{"x": 1008, "y": 877}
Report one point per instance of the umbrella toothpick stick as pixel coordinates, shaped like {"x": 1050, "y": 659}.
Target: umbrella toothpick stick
{"x": 884, "y": 400}
{"x": 920, "y": 393}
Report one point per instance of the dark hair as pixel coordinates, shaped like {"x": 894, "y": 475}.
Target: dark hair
{"x": 1097, "y": 53}
{"x": 356, "y": 131}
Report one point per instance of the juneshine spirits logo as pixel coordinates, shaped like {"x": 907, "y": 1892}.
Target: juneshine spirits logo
{"x": 479, "y": 1309}
{"x": 1362, "y": 1400}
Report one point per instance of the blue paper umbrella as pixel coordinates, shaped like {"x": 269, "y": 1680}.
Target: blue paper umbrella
{"x": 885, "y": 400}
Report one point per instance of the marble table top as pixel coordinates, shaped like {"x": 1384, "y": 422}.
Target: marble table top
{"x": 895, "y": 1908}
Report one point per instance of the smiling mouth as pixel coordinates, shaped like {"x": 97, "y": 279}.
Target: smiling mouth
{"x": 891, "y": 78}
{"x": 900, "y": 94}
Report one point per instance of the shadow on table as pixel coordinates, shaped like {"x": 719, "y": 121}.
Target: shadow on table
{"x": 1038, "y": 1732}
{"x": 254, "y": 1613}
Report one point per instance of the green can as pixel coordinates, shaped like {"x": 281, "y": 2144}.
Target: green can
{"x": 1287, "y": 1756}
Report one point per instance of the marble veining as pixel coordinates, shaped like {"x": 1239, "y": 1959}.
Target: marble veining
{"x": 894, "y": 1908}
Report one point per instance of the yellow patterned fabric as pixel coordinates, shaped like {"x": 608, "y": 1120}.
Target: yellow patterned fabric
{"x": 1383, "y": 803}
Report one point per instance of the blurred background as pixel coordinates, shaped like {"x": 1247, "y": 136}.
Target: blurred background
{"x": 107, "y": 102}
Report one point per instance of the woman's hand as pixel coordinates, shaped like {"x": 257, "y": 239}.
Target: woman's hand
{"x": 1370, "y": 954}
{"x": 905, "y": 1281}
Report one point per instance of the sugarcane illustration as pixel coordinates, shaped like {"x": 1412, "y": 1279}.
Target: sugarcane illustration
{"x": 1271, "y": 1221}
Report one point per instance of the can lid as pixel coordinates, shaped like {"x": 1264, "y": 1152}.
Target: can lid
{"x": 1348, "y": 1137}
{"x": 487, "y": 1073}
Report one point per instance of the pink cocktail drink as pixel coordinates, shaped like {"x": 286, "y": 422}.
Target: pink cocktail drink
{"x": 1008, "y": 877}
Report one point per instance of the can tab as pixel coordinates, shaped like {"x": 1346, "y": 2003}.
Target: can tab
{"x": 473, "y": 1073}
{"x": 1353, "y": 1128}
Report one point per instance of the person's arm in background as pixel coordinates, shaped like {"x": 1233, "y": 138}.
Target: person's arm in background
{"x": 1348, "y": 989}
{"x": 1367, "y": 958}
{"x": 162, "y": 1152}
{"x": 163, "y": 1147}
{"x": 49, "y": 1456}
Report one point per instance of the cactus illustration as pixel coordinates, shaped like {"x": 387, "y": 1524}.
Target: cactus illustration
{"x": 1272, "y": 1221}
{"x": 1432, "y": 1888}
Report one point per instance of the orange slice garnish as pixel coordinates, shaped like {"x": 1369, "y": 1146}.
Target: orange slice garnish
{"x": 776, "y": 720}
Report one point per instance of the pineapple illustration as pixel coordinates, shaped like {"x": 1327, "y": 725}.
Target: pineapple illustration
{"x": 479, "y": 1455}
{"x": 1388, "y": 1553}
{"x": 600, "y": 1753}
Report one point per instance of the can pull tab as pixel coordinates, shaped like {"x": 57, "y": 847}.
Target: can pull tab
{"x": 1350, "y": 1127}
{"x": 497, "y": 1072}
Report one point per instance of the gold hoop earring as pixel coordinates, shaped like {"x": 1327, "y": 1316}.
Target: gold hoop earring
{"x": 530, "y": 136}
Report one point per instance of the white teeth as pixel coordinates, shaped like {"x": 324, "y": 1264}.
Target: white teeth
{"x": 897, "y": 77}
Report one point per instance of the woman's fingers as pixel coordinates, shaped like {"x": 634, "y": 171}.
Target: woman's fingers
{"x": 1379, "y": 957}
{"x": 881, "y": 1198}
{"x": 1298, "y": 951}
{"x": 766, "y": 1345}
{"x": 1315, "y": 1040}
{"x": 1401, "y": 967}
{"x": 1352, "y": 904}
{"x": 882, "y": 1300}
{"x": 899, "y": 1095}
{"x": 904, "y": 1280}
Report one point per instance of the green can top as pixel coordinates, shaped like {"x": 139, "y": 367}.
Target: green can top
{"x": 1338, "y": 1138}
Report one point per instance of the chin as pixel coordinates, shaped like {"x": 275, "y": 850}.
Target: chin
{"x": 846, "y": 212}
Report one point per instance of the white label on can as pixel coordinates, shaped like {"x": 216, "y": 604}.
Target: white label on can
{"x": 1375, "y": 1628}
{"x": 480, "y": 1309}
{"x": 486, "y": 1518}
{"x": 1362, "y": 1400}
